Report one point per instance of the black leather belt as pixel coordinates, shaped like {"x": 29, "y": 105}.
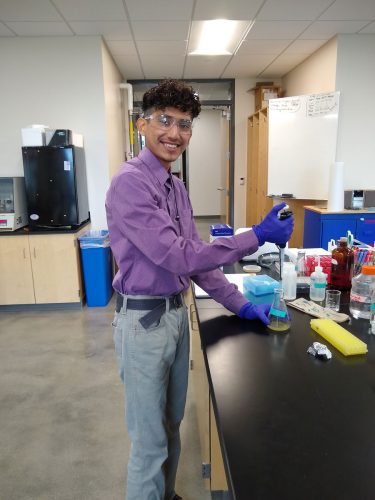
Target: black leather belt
{"x": 156, "y": 307}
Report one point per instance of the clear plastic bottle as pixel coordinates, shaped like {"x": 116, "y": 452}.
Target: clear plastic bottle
{"x": 360, "y": 294}
{"x": 318, "y": 284}
{"x": 289, "y": 281}
{"x": 278, "y": 315}
{"x": 372, "y": 312}
{"x": 300, "y": 264}
{"x": 342, "y": 265}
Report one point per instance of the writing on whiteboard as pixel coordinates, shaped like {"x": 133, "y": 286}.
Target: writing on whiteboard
{"x": 314, "y": 104}
{"x": 322, "y": 104}
{"x": 287, "y": 104}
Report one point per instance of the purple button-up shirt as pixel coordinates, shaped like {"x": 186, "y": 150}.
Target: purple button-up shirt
{"x": 155, "y": 241}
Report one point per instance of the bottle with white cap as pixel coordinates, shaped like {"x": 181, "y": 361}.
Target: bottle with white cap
{"x": 318, "y": 284}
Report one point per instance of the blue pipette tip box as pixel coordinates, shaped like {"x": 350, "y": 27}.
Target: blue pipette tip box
{"x": 221, "y": 230}
{"x": 259, "y": 289}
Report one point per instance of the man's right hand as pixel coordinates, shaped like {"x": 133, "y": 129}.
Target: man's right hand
{"x": 273, "y": 229}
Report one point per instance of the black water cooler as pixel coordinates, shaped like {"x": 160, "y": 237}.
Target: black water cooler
{"x": 56, "y": 186}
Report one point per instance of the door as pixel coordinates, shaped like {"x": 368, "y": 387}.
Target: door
{"x": 366, "y": 229}
{"x": 55, "y": 268}
{"x": 225, "y": 166}
{"x": 16, "y": 284}
{"x": 208, "y": 164}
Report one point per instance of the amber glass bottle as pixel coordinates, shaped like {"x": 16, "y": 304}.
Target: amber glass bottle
{"x": 342, "y": 265}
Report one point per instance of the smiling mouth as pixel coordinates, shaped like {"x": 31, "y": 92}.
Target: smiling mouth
{"x": 170, "y": 146}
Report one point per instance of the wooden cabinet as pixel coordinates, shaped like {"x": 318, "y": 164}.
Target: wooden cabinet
{"x": 16, "y": 283}
{"x": 258, "y": 204}
{"x": 40, "y": 269}
{"x": 212, "y": 463}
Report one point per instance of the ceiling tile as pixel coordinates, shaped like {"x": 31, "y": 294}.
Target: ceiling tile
{"x": 262, "y": 46}
{"x": 162, "y": 48}
{"x": 164, "y": 30}
{"x": 49, "y": 28}
{"x": 157, "y": 67}
{"x": 297, "y": 10}
{"x": 21, "y": 10}
{"x": 304, "y": 46}
{"x": 121, "y": 47}
{"x": 106, "y": 28}
{"x": 350, "y": 10}
{"x": 161, "y": 10}
{"x": 4, "y": 31}
{"x": 205, "y": 66}
{"x": 247, "y": 66}
{"x": 282, "y": 65}
{"x": 224, "y": 9}
{"x": 129, "y": 67}
{"x": 91, "y": 10}
{"x": 327, "y": 29}
{"x": 277, "y": 30}
{"x": 370, "y": 28}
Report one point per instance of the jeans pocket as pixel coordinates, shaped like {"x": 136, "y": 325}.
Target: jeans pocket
{"x": 118, "y": 343}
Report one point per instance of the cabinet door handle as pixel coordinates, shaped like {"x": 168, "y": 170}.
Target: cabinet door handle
{"x": 34, "y": 253}
{"x": 24, "y": 253}
{"x": 193, "y": 318}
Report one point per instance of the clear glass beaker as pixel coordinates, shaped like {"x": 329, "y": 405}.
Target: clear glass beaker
{"x": 278, "y": 315}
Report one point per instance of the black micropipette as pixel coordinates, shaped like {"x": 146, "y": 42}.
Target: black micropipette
{"x": 282, "y": 215}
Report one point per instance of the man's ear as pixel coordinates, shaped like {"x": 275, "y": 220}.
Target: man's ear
{"x": 141, "y": 124}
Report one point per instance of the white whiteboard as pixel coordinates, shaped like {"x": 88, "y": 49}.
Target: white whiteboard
{"x": 302, "y": 144}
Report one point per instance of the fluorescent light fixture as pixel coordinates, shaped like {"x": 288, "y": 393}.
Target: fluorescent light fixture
{"x": 217, "y": 37}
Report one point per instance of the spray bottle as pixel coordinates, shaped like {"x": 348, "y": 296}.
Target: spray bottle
{"x": 318, "y": 283}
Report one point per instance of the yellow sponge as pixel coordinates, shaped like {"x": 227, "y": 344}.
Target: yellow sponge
{"x": 339, "y": 337}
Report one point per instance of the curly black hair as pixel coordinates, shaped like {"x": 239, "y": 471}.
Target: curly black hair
{"x": 172, "y": 93}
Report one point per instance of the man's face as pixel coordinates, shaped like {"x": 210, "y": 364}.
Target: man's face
{"x": 167, "y": 139}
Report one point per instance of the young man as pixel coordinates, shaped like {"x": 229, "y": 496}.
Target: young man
{"x": 158, "y": 251}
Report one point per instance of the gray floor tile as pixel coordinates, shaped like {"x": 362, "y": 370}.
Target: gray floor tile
{"x": 62, "y": 432}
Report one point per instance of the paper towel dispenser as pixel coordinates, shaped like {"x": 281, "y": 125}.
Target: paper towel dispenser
{"x": 353, "y": 199}
{"x": 358, "y": 199}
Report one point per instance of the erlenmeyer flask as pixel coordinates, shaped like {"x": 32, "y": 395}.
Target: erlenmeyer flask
{"x": 278, "y": 315}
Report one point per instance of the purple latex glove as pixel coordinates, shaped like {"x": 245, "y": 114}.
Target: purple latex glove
{"x": 274, "y": 230}
{"x": 252, "y": 311}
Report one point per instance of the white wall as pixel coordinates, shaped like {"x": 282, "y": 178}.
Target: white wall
{"x": 355, "y": 79}
{"x": 244, "y": 107}
{"x": 56, "y": 81}
{"x": 316, "y": 74}
{"x": 114, "y": 112}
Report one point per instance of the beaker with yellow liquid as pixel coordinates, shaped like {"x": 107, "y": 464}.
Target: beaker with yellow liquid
{"x": 278, "y": 315}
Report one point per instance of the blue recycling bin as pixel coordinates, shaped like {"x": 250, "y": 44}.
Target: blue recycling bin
{"x": 97, "y": 267}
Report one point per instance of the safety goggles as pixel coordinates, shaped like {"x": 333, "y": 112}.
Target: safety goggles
{"x": 166, "y": 122}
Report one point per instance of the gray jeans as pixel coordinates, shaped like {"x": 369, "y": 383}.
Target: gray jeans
{"x": 153, "y": 366}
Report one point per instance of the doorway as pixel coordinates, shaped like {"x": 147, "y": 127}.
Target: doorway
{"x": 208, "y": 164}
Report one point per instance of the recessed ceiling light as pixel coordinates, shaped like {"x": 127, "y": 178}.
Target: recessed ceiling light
{"x": 217, "y": 37}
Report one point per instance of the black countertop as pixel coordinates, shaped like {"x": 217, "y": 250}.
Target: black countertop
{"x": 290, "y": 426}
{"x": 29, "y": 230}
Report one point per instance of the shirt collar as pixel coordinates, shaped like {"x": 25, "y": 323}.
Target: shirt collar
{"x": 154, "y": 165}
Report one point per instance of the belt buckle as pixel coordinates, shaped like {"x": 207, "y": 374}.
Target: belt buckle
{"x": 176, "y": 301}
